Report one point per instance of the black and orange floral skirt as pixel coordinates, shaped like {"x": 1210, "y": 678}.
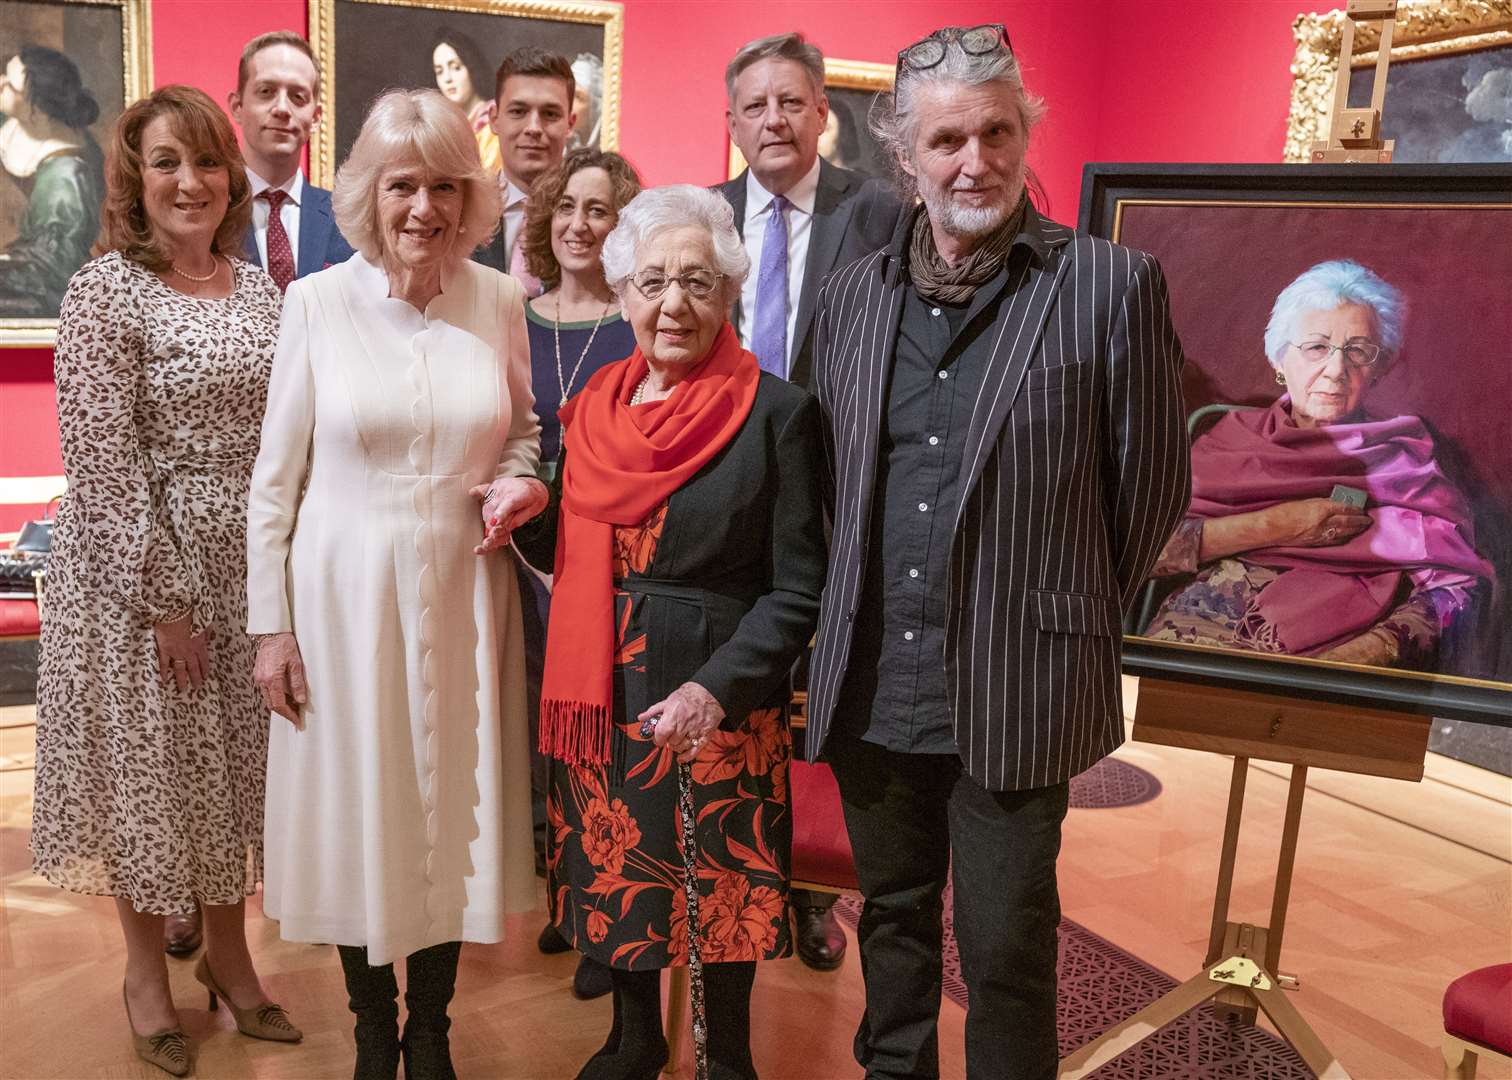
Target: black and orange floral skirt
{"x": 614, "y": 846}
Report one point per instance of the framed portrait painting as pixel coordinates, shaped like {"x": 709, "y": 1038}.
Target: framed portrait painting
{"x": 67, "y": 70}
{"x": 851, "y": 86}
{"x": 1448, "y": 90}
{"x": 455, "y": 46}
{"x": 1346, "y": 331}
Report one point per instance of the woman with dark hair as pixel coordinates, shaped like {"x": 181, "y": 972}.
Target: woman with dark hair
{"x": 151, "y": 737}
{"x": 464, "y": 78}
{"x": 46, "y": 149}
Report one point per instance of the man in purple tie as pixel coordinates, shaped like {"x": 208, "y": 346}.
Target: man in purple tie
{"x": 801, "y": 218}
{"x": 276, "y": 102}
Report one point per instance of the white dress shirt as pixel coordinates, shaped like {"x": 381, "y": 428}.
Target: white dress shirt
{"x": 288, "y": 213}
{"x": 800, "y": 219}
{"x": 514, "y": 214}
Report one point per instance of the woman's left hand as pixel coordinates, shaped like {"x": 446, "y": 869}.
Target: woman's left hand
{"x": 1376, "y": 647}
{"x": 508, "y": 503}
{"x": 682, "y": 720}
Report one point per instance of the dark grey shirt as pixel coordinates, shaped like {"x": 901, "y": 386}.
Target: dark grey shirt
{"x": 894, "y": 693}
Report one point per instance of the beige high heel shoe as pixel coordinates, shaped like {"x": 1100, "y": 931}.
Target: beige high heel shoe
{"x": 167, "y": 1049}
{"x": 265, "y": 1021}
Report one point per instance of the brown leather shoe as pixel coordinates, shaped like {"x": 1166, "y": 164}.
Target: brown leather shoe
{"x": 820, "y": 941}
{"x": 182, "y": 934}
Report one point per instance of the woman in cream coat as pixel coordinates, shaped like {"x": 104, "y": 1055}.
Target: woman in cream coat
{"x": 398, "y": 816}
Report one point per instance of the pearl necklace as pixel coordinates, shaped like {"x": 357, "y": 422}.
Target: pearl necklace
{"x": 640, "y": 389}
{"x": 186, "y": 275}
{"x": 556, "y": 335}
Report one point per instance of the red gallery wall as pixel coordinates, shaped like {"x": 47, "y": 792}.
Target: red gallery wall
{"x": 1125, "y": 80}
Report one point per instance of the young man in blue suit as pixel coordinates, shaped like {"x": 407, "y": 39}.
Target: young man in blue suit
{"x": 276, "y": 103}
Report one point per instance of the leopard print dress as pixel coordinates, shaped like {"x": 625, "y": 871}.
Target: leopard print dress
{"x": 144, "y": 792}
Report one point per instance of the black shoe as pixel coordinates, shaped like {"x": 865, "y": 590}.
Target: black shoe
{"x": 373, "y": 998}
{"x": 821, "y": 942}
{"x": 551, "y": 940}
{"x": 430, "y": 982}
{"x": 591, "y": 980}
{"x": 182, "y": 934}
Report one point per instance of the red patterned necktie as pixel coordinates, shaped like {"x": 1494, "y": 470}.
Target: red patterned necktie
{"x": 280, "y": 253}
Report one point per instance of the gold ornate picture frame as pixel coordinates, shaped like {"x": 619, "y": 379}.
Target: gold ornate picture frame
{"x": 366, "y": 46}
{"x": 850, "y": 85}
{"x": 110, "y": 43}
{"x": 1425, "y": 29}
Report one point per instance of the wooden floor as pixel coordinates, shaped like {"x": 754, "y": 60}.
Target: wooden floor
{"x": 1400, "y": 888}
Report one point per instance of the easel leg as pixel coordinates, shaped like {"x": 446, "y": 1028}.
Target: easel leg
{"x": 1294, "y": 1030}
{"x": 1138, "y": 1027}
{"x": 1226, "y": 861}
{"x": 1288, "y": 858}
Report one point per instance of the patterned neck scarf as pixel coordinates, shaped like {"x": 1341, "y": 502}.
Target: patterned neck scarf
{"x": 937, "y": 280}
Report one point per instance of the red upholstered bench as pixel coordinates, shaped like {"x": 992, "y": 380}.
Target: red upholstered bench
{"x": 1477, "y": 1020}
{"x": 19, "y": 620}
{"x": 822, "y": 860}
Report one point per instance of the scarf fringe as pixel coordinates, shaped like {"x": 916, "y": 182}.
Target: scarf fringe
{"x": 575, "y": 732}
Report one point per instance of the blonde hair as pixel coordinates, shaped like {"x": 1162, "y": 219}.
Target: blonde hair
{"x": 420, "y": 126}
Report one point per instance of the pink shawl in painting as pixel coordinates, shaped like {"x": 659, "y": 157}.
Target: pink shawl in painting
{"x": 1422, "y": 524}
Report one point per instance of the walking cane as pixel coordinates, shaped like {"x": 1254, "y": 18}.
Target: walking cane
{"x": 695, "y": 949}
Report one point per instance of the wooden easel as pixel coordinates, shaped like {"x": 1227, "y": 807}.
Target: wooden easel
{"x": 1241, "y": 969}
{"x": 1354, "y": 135}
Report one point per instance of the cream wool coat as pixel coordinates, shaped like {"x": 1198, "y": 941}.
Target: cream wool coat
{"x": 398, "y": 814}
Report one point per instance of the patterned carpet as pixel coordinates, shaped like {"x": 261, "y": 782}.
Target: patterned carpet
{"x": 1101, "y": 984}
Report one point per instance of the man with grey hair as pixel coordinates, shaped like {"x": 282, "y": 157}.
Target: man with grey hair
{"x": 800, "y": 217}
{"x": 1007, "y": 451}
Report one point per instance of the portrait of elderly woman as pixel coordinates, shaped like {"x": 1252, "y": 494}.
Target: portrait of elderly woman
{"x": 398, "y": 820}
{"x": 1318, "y": 528}
{"x": 689, "y": 561}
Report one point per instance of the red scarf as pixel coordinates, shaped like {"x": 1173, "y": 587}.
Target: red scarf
{"x": 622, "y": 462}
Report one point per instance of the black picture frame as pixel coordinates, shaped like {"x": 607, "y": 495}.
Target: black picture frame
{"x": 1114, "y": 195}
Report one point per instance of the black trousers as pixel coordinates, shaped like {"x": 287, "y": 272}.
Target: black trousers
{"x": 913, "y": 819}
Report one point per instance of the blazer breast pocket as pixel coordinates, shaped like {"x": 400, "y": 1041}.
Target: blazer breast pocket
{"x": 1051, "y": 378}
{"x": 1074, "y": 613}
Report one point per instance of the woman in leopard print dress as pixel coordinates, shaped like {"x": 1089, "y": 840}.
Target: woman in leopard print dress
{"x": 151, "y": 736}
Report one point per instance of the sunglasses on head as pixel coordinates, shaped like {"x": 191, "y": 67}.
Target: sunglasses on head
{"x": 973, "y": 41}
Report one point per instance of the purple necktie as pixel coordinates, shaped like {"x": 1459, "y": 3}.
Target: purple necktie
{"x": 769, "y": 334}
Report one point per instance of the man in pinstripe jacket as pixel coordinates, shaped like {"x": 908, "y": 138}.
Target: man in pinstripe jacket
{"x": 1008, "y": 454}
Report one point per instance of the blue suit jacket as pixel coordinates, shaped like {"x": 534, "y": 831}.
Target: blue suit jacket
{"x": 320, "y": 242}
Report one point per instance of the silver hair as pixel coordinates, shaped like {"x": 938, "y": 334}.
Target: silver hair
{"x": 588, "y": 72}
{"x": 894, "y": 121}
{"x": 422, "y": 127}
{"x": 1323, "y": 288}
{"x": 674, "y": 206}
{"x": 791, "y": 47}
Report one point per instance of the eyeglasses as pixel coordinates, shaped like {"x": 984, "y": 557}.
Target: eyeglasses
{"x": 973, "y": 41}
{"x": 1360, "y": 354}
{"x": 698, "y": 284}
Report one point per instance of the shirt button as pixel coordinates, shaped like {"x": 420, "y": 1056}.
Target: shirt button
{"x": 944, "y": 374}
{"x": 923, "y": 506}
{"x": 913, "y": 573}
{"x": 934, "y": 440}
{"x": 934, "y": 311}
{"x": 908, "y": 635}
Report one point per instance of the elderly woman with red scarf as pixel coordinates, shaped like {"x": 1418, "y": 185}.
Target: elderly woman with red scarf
{"x": 1317, "y": 529}
{"x": 689, "y": 559}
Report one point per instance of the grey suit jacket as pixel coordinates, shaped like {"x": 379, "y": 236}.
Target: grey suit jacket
{"x": 1075, "y": 470}
{"x": 853, "y": 216}
{"x": 320, "y": 242}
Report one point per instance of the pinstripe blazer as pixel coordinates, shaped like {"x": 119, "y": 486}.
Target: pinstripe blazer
{"x": 1075, "y": 471}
